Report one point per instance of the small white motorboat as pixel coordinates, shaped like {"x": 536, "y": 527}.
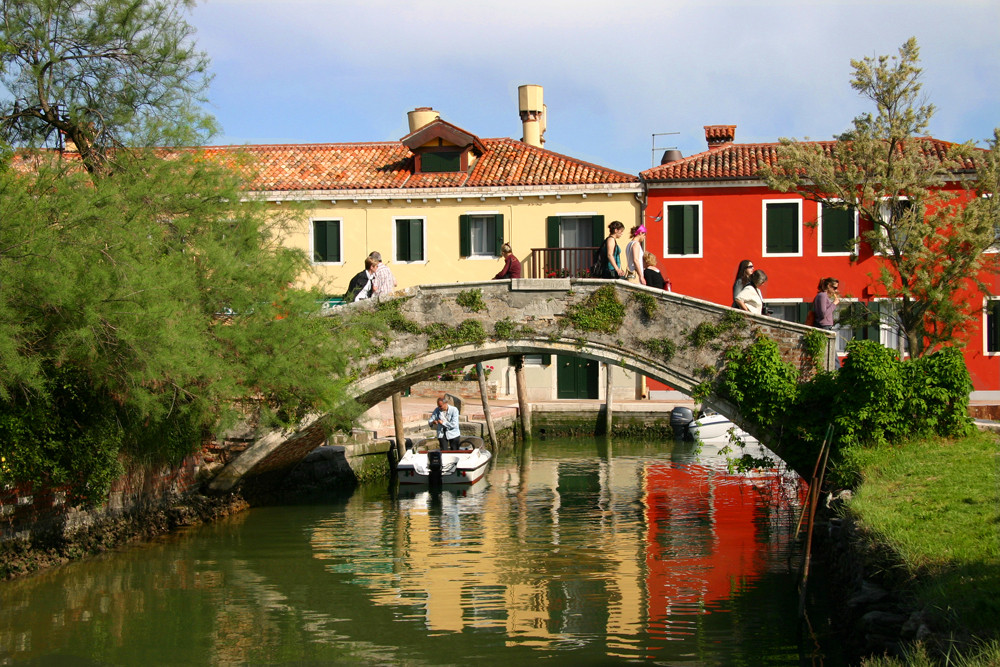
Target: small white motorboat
{"x": 423, "y": 465}
{"x": 715, "y": 427}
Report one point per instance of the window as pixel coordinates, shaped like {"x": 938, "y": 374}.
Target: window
{"x": 991, "y": 327}
{"x": 782, "y": 227}
{"x": 480, "y": 234}
{"x": 438, "y": 161}
{"x": 838, "y": 227}
{"x": 326, "y": 241}
{"x": 896, "y": 213}
{"x": 883, "y": 327}
{"x": 410, "y": 240}
{"x": 682, "y": 229}
{"x": 790, "y": 311}
{"x": 570, "y": 240}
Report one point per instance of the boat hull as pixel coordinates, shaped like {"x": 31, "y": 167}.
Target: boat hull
{"x": 460, "y": 466}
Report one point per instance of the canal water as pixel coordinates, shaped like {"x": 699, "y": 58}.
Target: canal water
{"x": 568, "y": 552}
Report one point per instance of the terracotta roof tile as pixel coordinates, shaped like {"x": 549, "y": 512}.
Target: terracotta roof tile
{"x": 383, "y": 165}
{"x": 742, "y": 161}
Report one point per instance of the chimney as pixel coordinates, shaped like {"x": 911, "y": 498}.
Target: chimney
{"x": 718, "y": 136}
{"x": 533, "y": 114}
{"x": 421, "y": 116}
{"x": 671, "y": 155}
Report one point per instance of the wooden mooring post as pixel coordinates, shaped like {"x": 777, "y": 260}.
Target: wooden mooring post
{"x": 608, "y": 418}
{"x": 484, "y": 396}
{"x": 397, "y": 422}
{"x": 522, "y": 397}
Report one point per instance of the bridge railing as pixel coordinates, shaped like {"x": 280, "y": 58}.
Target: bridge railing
{"x": 559, "y": 262}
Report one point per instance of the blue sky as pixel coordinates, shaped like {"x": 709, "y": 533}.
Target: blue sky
{"x": 614, "y": 72}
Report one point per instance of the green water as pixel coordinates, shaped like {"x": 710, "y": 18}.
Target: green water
{"x": 570, "y": 553}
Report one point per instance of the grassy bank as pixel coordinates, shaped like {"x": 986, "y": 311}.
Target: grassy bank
{"x": 935, "y": 506}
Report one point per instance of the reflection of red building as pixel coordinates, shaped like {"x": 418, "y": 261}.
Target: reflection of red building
{"x": 707, "y": 212}
{"x": 703, "y": 541}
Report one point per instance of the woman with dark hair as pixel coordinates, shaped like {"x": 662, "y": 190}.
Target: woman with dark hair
{"x": 750, "y": 297}
{"x": 825, "y": 302}
{"x": 613, "y": 268}
{"x": 742, "y": 278}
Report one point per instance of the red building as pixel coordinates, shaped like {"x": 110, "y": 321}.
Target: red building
{"x": 707, "y": 212}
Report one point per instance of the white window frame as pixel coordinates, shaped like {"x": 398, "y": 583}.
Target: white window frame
{"x": 423, "y": 227}
{"x": 845, "y": 334}
{"x": 701, "y": 236}
{"x": 783, "y": 302}
{"x": 312, "y": 240}
{"x": 819, "y": 235}
{"x": 881, "y": 212}
{"x": 472, "y": 214}
{"x": 763, "y": 227}
{"x": 986, "y": 350}
{"x": 885, "y": 330}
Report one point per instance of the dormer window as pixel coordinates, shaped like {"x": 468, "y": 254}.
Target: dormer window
{"x": 443, "y": 160}
{"x": 440, "y": 147}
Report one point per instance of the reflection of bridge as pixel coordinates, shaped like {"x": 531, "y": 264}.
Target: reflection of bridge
{"x": 672, "y": 338}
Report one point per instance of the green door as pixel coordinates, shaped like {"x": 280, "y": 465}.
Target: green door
{"x": 576, "y": 377}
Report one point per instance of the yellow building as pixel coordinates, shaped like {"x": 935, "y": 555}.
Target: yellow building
{"x": 439, "y": 203}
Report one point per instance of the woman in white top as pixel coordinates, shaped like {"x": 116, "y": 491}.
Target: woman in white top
{"x": 633, "y": 255}
{"x": 750, "y": 298}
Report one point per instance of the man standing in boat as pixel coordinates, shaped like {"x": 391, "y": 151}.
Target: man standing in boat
{"x": 445, "y": 420}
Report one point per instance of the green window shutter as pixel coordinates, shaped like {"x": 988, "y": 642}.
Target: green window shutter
{"x": 498, "y": 232}
{"x": 326, "y": 241}
{"x": 319, "y": 241}
{"x": 464, "y": 236}
{"x": 546, "y": 360}
{"x": 690, "y": 230}
{"x": 838, "y": 229}
{"x": 402, "y": 240}
{"x": 802, "y": 312}
{"x": 598, "y": 229}
{"x": 872, "y": 330}
{"x": 552, "y": 231}
{"x": 782, "y": 228}
{"x": 416, "y": 240}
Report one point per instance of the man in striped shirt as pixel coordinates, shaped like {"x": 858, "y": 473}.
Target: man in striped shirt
{"x": 383, "y": 282}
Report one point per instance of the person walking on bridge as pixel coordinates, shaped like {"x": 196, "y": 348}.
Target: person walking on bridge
{"x": 384, "y": 282}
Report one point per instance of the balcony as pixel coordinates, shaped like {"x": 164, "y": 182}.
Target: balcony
{"x": 559, "y": 262}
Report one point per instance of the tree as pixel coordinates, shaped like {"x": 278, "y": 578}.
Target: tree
{"x": 105, "y": 75}
{"x": 932, "y": 243}
{"x": 145, "y": 298}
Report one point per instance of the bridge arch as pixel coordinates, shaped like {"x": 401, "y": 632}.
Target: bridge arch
{"x": 676, "y": 339}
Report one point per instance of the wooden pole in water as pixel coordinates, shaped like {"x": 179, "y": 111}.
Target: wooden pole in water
{"x": 607, "y": 399}
{"x": 522, "y": 397}
{"x": 487, "y": 415}
{"x": 397, "y": 421}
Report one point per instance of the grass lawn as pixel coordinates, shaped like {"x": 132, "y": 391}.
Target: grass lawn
{"x": 936, "y": 503}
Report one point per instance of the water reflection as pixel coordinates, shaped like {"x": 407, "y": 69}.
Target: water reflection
{"x": 566, "y": 551}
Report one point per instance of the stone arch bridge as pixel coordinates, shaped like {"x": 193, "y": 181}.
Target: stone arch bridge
{"x": 676, "y": 339}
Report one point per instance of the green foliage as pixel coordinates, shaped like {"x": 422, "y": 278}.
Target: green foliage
{"x": 601, "y": 312}
{"x": 647, "y": 304}
{"x": 389, "y": 311}
{"x": 930, "y": 244}
{"x": 875, "y": 400}
{"x": 441, "y": 335}
{"x": 137, "y": 286}
{"x": 663, "y": 348}
{"x": 507, "y": 329}
{"x": 471, "y": 299}
{"x": 815, "y": 343}
{"x": 110, "y": 75}
{"x": 709, "y": 332}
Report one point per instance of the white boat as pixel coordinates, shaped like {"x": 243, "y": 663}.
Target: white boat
{"x": 422, "y": 465}
{"x": 716, "y": 427}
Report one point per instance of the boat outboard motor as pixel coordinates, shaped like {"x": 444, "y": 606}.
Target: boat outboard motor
{"x": 680, "y": 417}
{"x": 434, "y": 466}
